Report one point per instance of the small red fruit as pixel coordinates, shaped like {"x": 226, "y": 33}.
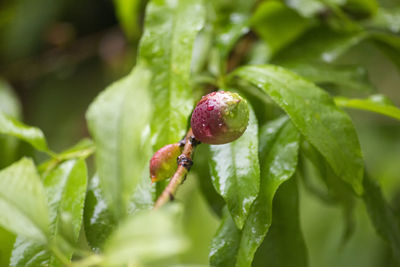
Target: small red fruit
{"x": 163, "y": 163}
{"x": 220, "y": 117}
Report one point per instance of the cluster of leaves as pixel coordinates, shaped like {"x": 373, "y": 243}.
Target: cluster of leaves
{"x": 290, "y": 76}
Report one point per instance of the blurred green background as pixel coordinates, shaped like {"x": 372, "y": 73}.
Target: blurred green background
{"x": 57, "y": 55}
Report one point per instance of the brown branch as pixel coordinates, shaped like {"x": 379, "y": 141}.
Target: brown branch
{"x": 185, "y": 159}
{"x": 240, "y": 50}
{"x": 184, "y": 164}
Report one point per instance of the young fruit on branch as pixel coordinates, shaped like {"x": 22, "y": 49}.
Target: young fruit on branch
{"x": 163, "y": 163}
{"x": 220, "y": 117}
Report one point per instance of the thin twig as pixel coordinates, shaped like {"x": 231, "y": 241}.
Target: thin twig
{"x": 240, "y": 50}
{"x": 184, "y": 164}
{"x": 169, "y": 192}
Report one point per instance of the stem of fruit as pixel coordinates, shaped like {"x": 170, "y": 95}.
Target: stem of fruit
{"x": 184, "y": 164}
{"x": 190, "y": 142}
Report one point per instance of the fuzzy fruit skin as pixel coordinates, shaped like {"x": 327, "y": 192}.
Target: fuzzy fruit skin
{"x": 220, "y": 117}
{"x": 163, "y": 163}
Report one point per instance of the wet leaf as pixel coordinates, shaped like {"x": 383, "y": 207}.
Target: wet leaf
{"x": 98, "y": 219}
{"x": 315, "y": 115}
{"x": 279, "y": 165}
{"x": 235, "y": 171}
{"x": 224, "y": 246}
{"x": 285, "y": 232}
{"x": 232, "y": 247}
{"x": 166, "y": 48}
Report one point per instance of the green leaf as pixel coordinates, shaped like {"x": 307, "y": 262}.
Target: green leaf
{"x": 390, "y": 52}
{"x": 235, "y": 171}
{"x": 117, "y": 120}
{"x": 166, "y": 47}
{"x": 387, "y": 19}
{"x": 32, "y": 135}
{"x": 66, "y": 189}
{"x": 147, "y": 237}
{"x": 342, "y": 76}
{"x": 315, "y": 115}
{"x": 279, "y": 165}
{"x": 318, "y": 45}
{"x": 11, "y": 106}
{"x": 98, "y": 219}
{"x": 375, "y": 103}
{"x": 361, "y": 7}
{"x": 128, "y": 15}
{"x": 285, "y": 232}
{"x": 232, "y": 22}
{"x": 143, "y": 197}
{"x": 6, "y": 246}
{"x": 81, "y": 150}
{"x": 389, "y": 44}
{"x": 225, "y": 244}
{"x": 202, "y": 171}
{"x": 9, "y": 102}
{"x": 306, "y": 8}
{"x": 277, "y": 24}
{"x": 338, "y": 191}
{"x": 382, "y": 216}
{"x": 23, "y": 201}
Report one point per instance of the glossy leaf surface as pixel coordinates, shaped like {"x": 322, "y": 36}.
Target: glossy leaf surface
{"x": 235, "y": 171}
{"x": 315, "y": 115}
{"x": 225, "y": 244}
{"x": 285, "y": 232}
{"x": 166, "y": 48}
{"x": 98, "y": 218}
{"x": 278, "y": 163}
